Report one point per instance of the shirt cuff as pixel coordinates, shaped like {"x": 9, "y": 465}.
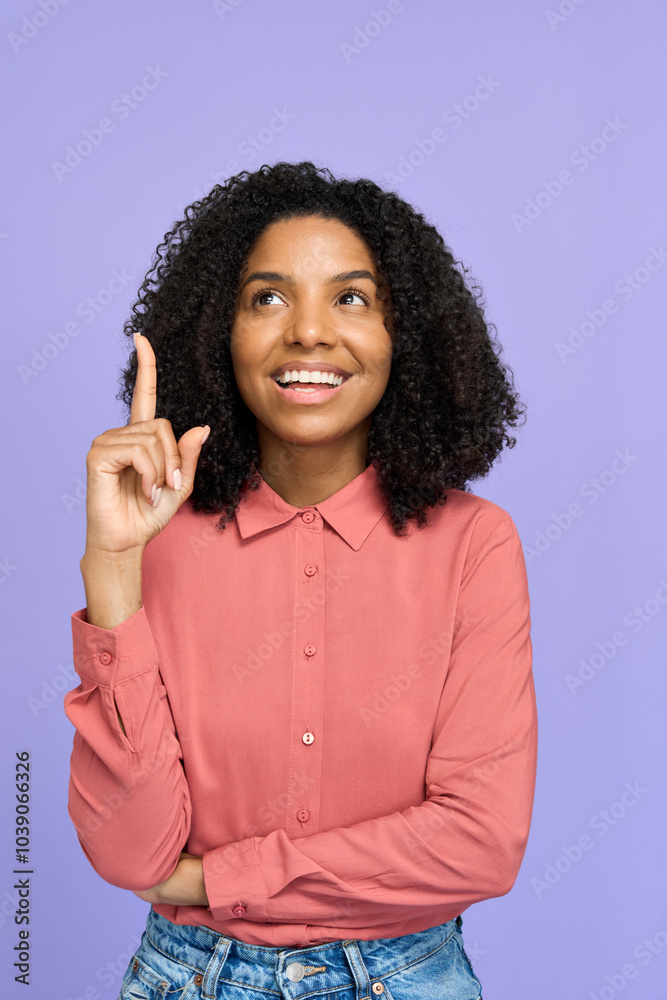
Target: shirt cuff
{"x": 107, "y": 656}
{"x": 233, "y": 882}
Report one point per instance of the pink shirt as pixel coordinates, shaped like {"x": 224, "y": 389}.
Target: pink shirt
{"x": 340, "y": 720}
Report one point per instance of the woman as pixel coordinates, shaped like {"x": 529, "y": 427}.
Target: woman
{"x": 306, "y": 727}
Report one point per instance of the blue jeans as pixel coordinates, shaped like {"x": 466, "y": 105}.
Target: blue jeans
{"x": 185, "y": 962}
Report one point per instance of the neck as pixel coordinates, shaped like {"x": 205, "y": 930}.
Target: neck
{"x": 304, "y": 475}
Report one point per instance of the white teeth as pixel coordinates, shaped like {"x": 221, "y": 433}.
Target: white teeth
{"x": 329, "y": 378}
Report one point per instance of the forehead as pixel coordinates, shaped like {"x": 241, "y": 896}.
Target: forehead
{"x": 310, "y": 240}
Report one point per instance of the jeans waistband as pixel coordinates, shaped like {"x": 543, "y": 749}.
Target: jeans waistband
{"x": 206, "y": 952}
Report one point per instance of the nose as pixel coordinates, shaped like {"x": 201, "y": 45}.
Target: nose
{"x": 310, "y": 324}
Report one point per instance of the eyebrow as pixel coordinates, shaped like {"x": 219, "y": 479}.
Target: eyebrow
{"x": 335, "y": 279}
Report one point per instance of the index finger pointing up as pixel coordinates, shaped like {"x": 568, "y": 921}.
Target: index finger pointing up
{"x": 145, "y": 387}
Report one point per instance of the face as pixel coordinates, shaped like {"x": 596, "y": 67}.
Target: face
{"x": 308, "y": 302}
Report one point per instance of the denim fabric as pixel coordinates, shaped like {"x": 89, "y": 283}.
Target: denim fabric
{"x": 185, "y": 962}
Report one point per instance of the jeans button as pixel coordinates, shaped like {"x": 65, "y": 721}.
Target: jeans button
{"x": 294, "y": 972}
{"x": 378, "y": 988}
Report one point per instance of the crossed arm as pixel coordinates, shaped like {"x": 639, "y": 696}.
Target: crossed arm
{"x": 184, "y": 887}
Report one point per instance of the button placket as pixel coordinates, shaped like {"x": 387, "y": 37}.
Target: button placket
{"x": 308, "y": 681}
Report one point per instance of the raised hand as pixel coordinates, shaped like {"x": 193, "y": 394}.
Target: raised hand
{"x": 138, "y": 475}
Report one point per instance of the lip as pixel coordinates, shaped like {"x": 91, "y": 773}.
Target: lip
{"x": 309, "y": 366}
{"x": 305, "y": 398}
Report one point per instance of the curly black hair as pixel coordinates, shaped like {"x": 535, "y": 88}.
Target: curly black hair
{"x": 443, "y": 418}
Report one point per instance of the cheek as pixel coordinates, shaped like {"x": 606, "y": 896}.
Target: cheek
{"x": 238, "y": 343}
{"x": 244, "y": 352}
{"x": 380, "y": 362}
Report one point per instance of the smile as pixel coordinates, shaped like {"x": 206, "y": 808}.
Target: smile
{"x": 298, "y": 392}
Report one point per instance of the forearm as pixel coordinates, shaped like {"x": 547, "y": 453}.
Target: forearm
{"x": 184, "y": 887}
{"x": 112, "y": 582}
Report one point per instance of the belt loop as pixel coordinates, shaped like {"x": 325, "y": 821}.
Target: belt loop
{"x": 358, "y": 968}
{"x": 214, "y": 968}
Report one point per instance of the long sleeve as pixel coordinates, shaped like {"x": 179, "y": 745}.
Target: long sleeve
{"x": 128, "y": 796}
{"x": 466, "y": 841}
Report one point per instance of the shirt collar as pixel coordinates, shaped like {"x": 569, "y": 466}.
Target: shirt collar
{"x": 352, "y": 511}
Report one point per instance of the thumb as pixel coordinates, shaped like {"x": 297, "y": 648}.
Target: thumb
{"x": 189, "y": 448}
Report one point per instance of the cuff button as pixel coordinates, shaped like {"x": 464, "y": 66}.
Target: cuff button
{"x": 238, "y": 909}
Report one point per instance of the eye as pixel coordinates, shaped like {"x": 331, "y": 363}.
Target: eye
{"x": 355, "y": 292}
{"x": 262, "y": 294}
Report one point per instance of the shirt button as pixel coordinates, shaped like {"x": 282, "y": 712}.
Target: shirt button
{"x": 307, "y": 737}
{"x": 310, "y": 570}
{"x": 105, "y": 658}
{"x": 303, "y": 815}
{"x": 309, "y": 649}
{"x": 294, "y": 972}
{"x": 238, "y": 909}
{"x": 308, "y": 516}
{"x": 378, "y": 988}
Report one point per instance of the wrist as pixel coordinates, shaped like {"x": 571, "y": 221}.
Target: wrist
{"x": 93, "y": 557}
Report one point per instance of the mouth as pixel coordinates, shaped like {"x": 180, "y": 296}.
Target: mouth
{"x": 310, "y": 392}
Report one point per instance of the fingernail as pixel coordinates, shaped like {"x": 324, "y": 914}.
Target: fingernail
{"x": 156, "y": 501}
{"x": 177, "y": 479}
{"x": 135, "y": 335}
{"x": 153, "y": 491}
{"x": 206, "y": 433}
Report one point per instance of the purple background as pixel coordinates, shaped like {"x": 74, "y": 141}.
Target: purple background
{"x": 219, "y": 76}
